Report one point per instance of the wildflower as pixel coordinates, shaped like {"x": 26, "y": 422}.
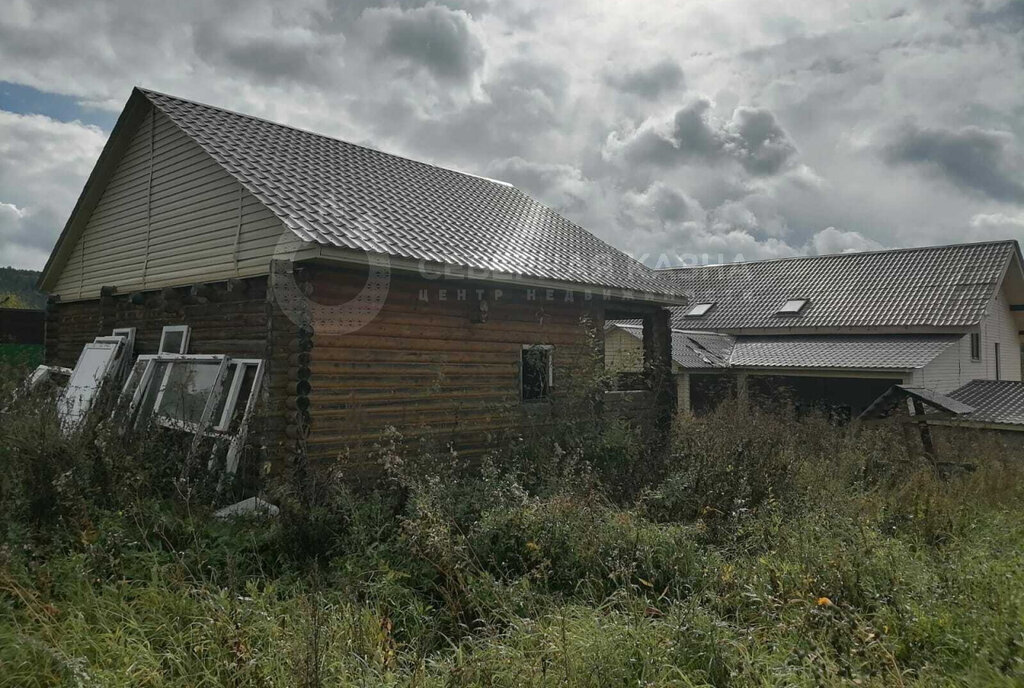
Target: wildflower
{"x": 824, "y": 602}
{"x": 532, "y": 546}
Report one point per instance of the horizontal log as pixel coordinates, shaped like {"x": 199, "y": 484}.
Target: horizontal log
{"x": 299, "y": 373}
{"x": 302, "y": 358}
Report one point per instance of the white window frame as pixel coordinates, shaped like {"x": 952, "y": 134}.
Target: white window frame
{"x": 112, "y": 344}
{"x": 129, "y": 348}
{"x": 975, "y": 342}
{"x": 186, "y": 333}
{"x": 550, "y": 348}
{"x": 129, "y": 335}
{"x": 235, "y": 389}
{"x": 206, "y": 428}
{"x": 146, "y": 379}
{"x": 211, "y": 403}
{"x": 238, "y": 439}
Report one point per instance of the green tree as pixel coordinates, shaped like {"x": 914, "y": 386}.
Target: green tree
{"x": 12, "y": 300}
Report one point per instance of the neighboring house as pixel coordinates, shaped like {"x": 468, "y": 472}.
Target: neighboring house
{"x": 840, "y": 330}
{"x": 379, "y": 291}
{"x": 699, "y": 362}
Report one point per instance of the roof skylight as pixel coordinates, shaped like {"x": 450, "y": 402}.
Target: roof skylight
{"x": 699, "y": 310}
{"x": 793, "y": 307}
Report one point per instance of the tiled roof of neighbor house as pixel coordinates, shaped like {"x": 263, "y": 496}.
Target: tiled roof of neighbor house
{"x": 902, "y": 352}
{"x": 941, "y": 286}
{"x": 344, "y": 195}
{"x": 694, "y": 349}
{"x": 690, "y": 349}
{"x": 994, "y": 401}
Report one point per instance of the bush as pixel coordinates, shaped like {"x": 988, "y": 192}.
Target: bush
{"x": 770, "y": 549}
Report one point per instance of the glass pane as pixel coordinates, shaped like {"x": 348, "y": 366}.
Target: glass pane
{"x": 793, "y": 306}
{"x": 152, "y": 390}
{"x": 248, "y": 377}
{"x": 187, "y": 390}
{"x": 225, "y": 390}
{"x": 535, "y": 374}
{"x": 132, "y": 383}
{"x": 171, "y": 341}
{"x": 234, "y": 419}
{"x": 85, "y": 380}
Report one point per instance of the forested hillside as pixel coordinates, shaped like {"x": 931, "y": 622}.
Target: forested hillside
{"x": 21, "y": 284}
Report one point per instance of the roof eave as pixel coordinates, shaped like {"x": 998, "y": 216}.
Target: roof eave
{"x": 435, "y": 270}
{"x": 812, "y": 371}
{"x": 832, "y": 330}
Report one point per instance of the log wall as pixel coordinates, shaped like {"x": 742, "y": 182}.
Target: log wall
{"x": 233, "y": 318}
{"x": 428, "y": 366}
{"x": 432, "y": 363}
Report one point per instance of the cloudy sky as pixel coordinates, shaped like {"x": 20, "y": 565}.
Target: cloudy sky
{"x": 725, "y": 128}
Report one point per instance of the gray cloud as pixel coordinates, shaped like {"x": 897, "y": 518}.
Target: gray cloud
{"x": 650, "y": 82}
{"x": 753, "y": 138}
{"x": 757, "y": 141}
{"x": 521, "y": 108}
{"x": 438, "y": 39}
{"x": 561, "y": 186}
{"x": 1008, "y": 17}
{"x": 972, "y": 158}
{"x": 282, "y": 56}
{"x": 564, "y": 100}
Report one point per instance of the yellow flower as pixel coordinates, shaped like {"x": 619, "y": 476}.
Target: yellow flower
{"x": 824, "y": 602}
{"x": 532, "y": 546}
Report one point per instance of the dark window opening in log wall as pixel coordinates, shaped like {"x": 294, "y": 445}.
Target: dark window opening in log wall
{"x": 536, "y": 373}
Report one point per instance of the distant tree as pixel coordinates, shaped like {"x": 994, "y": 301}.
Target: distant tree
{"x": 12, "y": 300}
{"x": 22, "y": 285}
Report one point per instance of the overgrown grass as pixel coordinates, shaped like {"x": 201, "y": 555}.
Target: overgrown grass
{"x": 769, "y": 550}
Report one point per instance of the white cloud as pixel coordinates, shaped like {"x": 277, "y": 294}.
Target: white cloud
{"x": 787, "y": 100}
{"x": 991, "y": 226}
{"x": 43, "y": 166}
{"x": 832, "y": 240}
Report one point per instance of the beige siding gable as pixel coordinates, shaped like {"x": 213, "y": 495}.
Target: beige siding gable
{"x": 169, "y": 216}
{"x": 622, "y": 352}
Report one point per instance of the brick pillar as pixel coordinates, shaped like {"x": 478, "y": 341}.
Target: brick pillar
{"x": 683, "y": 392}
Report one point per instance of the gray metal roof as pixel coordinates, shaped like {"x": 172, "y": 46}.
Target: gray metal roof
{"x": 690, "y": 349}
{"x": 694, "y": 349}
{"x": 936, "y": 400}
{"x": 935, "y": 403}
{"x": 343, "y": 195}
{"x": 896, "y": 352}
{"x": 940, "y": 286}
{"x": 994, "y": 401}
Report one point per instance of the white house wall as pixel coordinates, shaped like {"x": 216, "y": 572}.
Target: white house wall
{"x": 168, "y": 216}
{"x": 954, "y": 366}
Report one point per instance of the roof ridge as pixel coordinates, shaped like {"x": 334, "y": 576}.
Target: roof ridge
{"x": 901, "y": 249}
{"x": 148, "y": 91}
{"x": 524, "y": 223}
